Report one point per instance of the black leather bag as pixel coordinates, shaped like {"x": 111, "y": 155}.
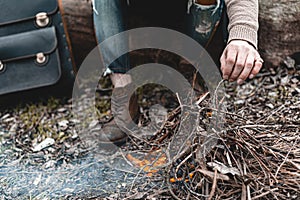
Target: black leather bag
{"x": 34, "y": 52}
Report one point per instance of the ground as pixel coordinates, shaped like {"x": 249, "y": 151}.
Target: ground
{"x": 257, "y": 154}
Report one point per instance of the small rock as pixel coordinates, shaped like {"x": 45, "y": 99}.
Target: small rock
{"x": 37, "y": 180}
{"x": 46, "y": 143}
{"x": 272, "y": 94}
{"x": 239, "y": 102}
{"x": 75, "y": 121}
{"x": 13, "y": 129}
{"x": 289, "y": 63}
{"x": 285, "y": 80}
{"x": 2, "y": 133}
{"x": 74, "y": 136}
{"x": 62, "y": 110}
{"x": 61, "y": 134}
{"x": 49, "y": 164}
{"x": 269, "y": 105}
{"x": 295, "y": 80}
{"x": 93, "y": 124}
{"x": 51, "y": 150}
{"x": 68, "y": 190}
{"x": 63, "y": 125}
{"x": 67, "y": 145}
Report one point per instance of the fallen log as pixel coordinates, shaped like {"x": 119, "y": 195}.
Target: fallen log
{"x": 78, "y": 17}
{"x": 279, "y": 34}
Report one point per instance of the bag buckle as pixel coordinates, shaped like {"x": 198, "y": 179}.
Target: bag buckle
{"x": 40, "y": 58}
{"x": 42, "y": 19}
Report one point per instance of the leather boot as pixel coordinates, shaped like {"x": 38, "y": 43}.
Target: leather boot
{"x": 125, "y": 115}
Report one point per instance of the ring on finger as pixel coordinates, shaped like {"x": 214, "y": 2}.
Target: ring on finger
{"x": 259, "y": 60}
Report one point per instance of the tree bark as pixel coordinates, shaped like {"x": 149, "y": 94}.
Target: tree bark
{"x": 279, "y": 34}
{"x": 78, "y": 17}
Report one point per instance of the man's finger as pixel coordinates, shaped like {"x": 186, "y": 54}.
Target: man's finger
{"x": 223, "y": 65}
{"x": 247, "y": 69}
{"x": 257, "y": 66}
{"x": 239, "y": 65}
{"x": 223, "y": 60}
{"x": 230, "y": 58}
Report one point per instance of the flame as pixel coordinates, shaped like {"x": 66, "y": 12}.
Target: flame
{"x": 150, "y": 163}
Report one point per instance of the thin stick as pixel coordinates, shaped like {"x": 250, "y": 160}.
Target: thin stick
{"x": 264, "y": 194}
{"x": 244, "y": 192}
{"x": 213, "y": 189}
{"x": 202, "y": 98}
{"x": 286, "y": 157}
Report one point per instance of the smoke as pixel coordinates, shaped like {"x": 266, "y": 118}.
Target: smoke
{"x": 87, "y": 177}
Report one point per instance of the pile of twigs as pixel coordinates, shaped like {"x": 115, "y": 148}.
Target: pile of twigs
{"x": 258, "y": 151}
{"x": 257, "y": 154}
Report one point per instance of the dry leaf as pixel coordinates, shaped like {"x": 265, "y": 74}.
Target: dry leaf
{"x": 223, "y": 169}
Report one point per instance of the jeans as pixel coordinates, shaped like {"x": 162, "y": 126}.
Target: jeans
{"x": 109, "y": 20}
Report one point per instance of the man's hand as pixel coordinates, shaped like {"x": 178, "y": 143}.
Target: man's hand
{"x": 239, "y": 61}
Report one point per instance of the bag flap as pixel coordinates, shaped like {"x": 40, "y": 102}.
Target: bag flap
{"x": 13, "y": 11}
{"x": 28, "y": 44}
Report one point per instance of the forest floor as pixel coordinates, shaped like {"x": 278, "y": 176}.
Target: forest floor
{"x": 257, "y": 155}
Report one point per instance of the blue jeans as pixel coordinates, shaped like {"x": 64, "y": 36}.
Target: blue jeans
{"x": 109, "y": 20}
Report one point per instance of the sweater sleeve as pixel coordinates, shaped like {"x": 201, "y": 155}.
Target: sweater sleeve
{"x": 243, "y": 20}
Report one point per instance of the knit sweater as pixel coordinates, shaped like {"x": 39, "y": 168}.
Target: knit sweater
{"x": 243, "y": 20}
